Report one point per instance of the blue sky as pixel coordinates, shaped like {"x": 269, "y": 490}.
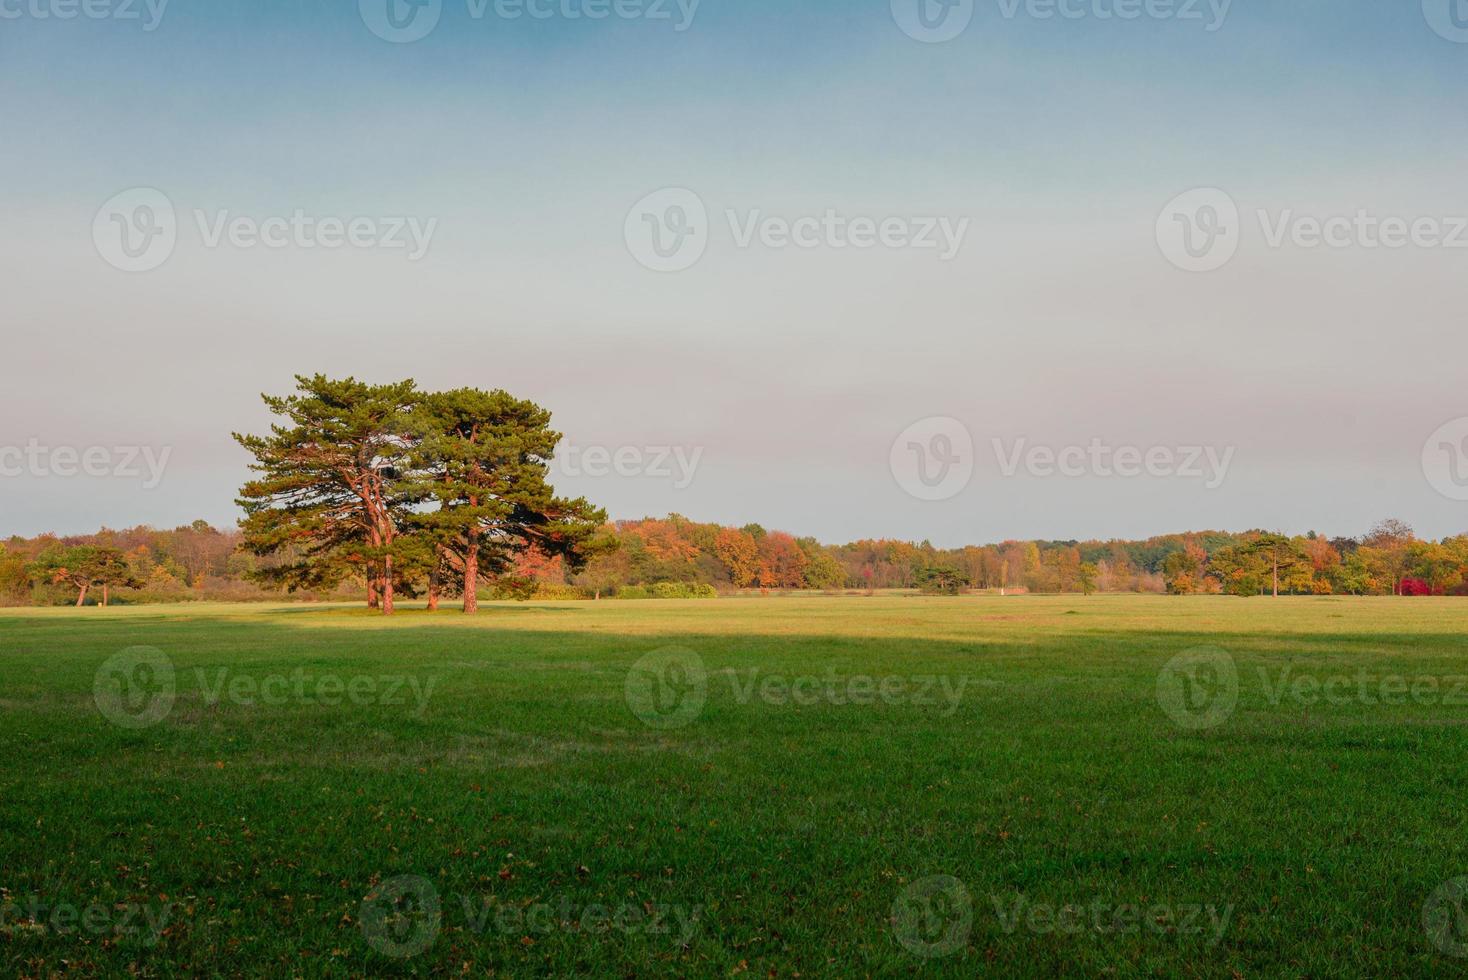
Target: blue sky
{"x": 527, "y": 141}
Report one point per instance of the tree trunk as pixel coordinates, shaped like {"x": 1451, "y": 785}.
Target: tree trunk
{"x": 81, "y": 597}
{"x": 387, "y": 585}
{"x": 105, "y": 595}
{"x": 372, "y": 601}
{"x": 471, "y": 573}
{"x": 1276, "y": 576}
{"x": 433, "y": 579}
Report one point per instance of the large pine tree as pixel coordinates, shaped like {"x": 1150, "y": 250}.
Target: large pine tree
{"x": 331, "y": 490}
{"x": 480, "y": 471}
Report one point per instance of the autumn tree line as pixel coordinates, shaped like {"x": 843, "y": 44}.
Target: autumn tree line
{"x": 674, "y": 557}
{"x": 378, "y": 492}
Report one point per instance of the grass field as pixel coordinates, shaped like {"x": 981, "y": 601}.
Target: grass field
{"x": 814, "y": 787}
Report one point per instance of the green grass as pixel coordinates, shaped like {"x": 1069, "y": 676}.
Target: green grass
{"x": 1320, "y": 829}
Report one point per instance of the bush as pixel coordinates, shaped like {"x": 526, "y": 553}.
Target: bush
{"x": 1415, "y": 587}
{"x": 519, "y": 589}
{"x": 668, "y": 590}
{"x": 941, "y": 580}
{"x": 556, "y": 592}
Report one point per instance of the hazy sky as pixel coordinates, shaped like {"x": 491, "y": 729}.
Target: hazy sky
{"x": 525, "y": 144}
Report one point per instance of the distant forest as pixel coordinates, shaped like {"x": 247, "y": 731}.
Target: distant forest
{"x": 674, "y": 557}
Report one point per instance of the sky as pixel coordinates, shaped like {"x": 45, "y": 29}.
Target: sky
{"x": 847, "y": 268}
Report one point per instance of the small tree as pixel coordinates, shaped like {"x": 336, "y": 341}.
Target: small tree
{"x": 86, "y": 567}
{"x": 1087, "y": 578}
{"x": 1391, "y": 539}
{"x": 825, "y": 572}
{"x": 607, "y": 565}
{"x": 1183, "y": 570}
{"x": 739, "y": 553}
{"x": 1280, "y": 556}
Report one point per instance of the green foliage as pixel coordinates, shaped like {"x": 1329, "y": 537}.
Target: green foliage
{"x": 329, "y": 489}
{"x": 401, "y": 488}
{"x": 941, "y": 580}
{"x": 668, "y": 590}
{"x": 479, "y": 469}
{"x": 518, "y": 589}
{"x": 824, "y": 572}
{"x": 1087, "y": 578}
{"x": 15, "y": 579}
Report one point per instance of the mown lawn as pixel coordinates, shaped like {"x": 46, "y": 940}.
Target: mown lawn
{"x": 779, "y": 787}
